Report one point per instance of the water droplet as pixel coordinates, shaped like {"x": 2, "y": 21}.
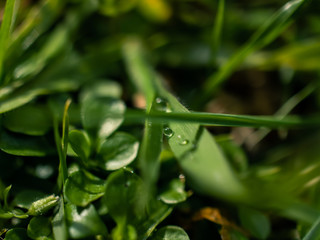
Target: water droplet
{"x": 161, "y": 104}
{"x": 168, "y": 132}
{"x": 182, "y": 141}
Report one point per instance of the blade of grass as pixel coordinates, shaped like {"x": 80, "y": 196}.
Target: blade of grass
{"x": 6, "y": 29}
{"x": 149, "y": 153}
{"x": 314, "y": 232}
{"x": 263, "y": 36}
{"x": 226, "y": 120}
{"x": 62, "y": 142}
{"x": 217, "y": 29}
{"x": 286, "y": 108}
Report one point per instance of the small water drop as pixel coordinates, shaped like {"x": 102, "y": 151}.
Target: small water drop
{"x": 161, "y": 104}
{"x": 182, "y": 141}
{"x": 168, "y": 132}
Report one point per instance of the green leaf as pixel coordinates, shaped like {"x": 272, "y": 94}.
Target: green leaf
{"x": 59, "y": 223}
{"x": 118, "y": 151}
{"x": 25, "y": 198}
{"x": 81, "y": 188}
{"x": 80, "y": 143}
{"x": 84, "y": 223}
{"x": 128, "y": 204}
{"x": 39, "y": 228}
{"x": 29, "y": 119}
{"x": 174, "y": 193}
{"x": 23, "y": 145}
{"x": 6, "y": 27}
{"x": 101, "y": 88}
{"x": 170, "y": 233}
{"x": 17, "y": 234}
{"x": 97, "y": 115}
{"x": 254, "y": 221}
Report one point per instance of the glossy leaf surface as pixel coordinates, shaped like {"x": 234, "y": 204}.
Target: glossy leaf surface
{"x": 118, "y": 151}
{"x": 84, "y": 223}
{"x": 81, "y": 188}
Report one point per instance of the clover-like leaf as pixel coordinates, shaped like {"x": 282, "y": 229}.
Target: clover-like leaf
{"x": 84, "y": 223}
{"x": 174, "y": 193}
{"x": 17, "y": 234}
{"x": 129, "y": 204}
{"x": 23, "y": 145}
{"x": 118, "y": 151}
{"x": 102, "y": 116}
{"x": 29, "y": 119}
{"x": 81, "y": 188}
{"x": 102, "y": 88}
{"x": 39, "y": 228}
{"x": 170, "y": 233}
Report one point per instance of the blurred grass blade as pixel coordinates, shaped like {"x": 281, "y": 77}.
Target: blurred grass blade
{"x": 285, "y": 109}
{"x": 217, "y": 30}
{"x": 6, "y": 29}
{"x": 139, "y": 70}
{"x": 314, "y": 232}
{"x": 263, "y": 36}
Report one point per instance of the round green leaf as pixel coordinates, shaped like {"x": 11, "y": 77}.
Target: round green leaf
{"x": 29, "y": 119}
{"x": 174, "y": 193}
{"x": 125, "y": 196}
{"x": 81, "y": 188}
{"x": 39, "y": 227}
{"x": 102, "y": 116}
{"x": 17, "y": 234}
{"x": 170, "y": 233}
{"x": 118, "y": 151}
{"x": 103, "y": 88}
{"x": 86, "y": 223}
{"x": 80, "y": 143}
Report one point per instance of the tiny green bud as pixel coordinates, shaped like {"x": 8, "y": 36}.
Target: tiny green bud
{"x": 41, "y": 206}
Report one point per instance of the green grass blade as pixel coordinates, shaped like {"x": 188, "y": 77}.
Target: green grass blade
{"x": 149, "y": 153}
{"x": 217, "y": 29}
{"x": 263, "y": 36}
{"x": 6, "y": 29}
{"x": 314, "y": 232}
{"x": 226, "y": 120}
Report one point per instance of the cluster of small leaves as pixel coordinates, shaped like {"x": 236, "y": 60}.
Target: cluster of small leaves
{"x": 73, "y": 166}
